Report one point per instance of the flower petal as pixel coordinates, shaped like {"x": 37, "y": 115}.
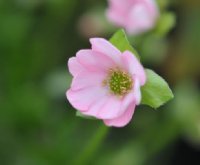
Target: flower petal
{"x": 135, "y": 25}
{"x": 103, "y": 46}
{"x": 133, "y": 96}
{"x": 95, "y": 107}
{"x": 153, "y": 9}
{"x": 115, "y": 18}
{"x": 94, "y": 61}
{"x": 87, "y": 79}
{"x": 111, "y": 108}
{"x": 134, "y": 66}
{"x": 137, "y": 92}
{"x": 124, "y": 119}
{"x": 119, "y": 4}
{"x": 117, "y": 12}
{"x": 82, "y": 99}
{"x": 74, "y": 66}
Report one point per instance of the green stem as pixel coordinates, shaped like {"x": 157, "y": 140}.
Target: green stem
{"x": 92, "y": 147}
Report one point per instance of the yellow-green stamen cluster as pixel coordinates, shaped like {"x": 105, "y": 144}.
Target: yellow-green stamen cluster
{"x": 119, "y": 82}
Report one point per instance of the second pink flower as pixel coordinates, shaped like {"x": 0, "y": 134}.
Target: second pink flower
{"x": 136, "y": 16}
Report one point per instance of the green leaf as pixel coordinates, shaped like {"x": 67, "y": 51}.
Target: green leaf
{"x": 79, "y": 114}
{"x": 156, "y": 91}
{"x": 119, "y": 39}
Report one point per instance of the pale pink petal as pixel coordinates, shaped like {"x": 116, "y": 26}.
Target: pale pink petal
{"x": 133, "y": 96}
{"x": 124, "y": 119}
{"x": 82, "y": 99}
{"x": 103, "y": 46}
{"x": 153, "y": 9}
{"x": 117, "y": 12}
{"x": 134, "y": 66}
{"x": 74, "y": 66}
{"x": 88, "y": 79}
{"x": 116, "y": 18}
{"x": 139, "y": 19}
{"x": 136, "y": 91}
{"x": 95, "y": 107}
{"x": 94, "y": 61}
{"x": 118, "y": 4}
{"x": 120, "y": 7}
{"x": 111, "y": 109}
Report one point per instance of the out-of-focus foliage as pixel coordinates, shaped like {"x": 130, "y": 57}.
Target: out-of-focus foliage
{"x": 39, "y": 127}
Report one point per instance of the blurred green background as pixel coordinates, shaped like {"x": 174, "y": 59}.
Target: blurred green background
{"x": 37, "y": 124}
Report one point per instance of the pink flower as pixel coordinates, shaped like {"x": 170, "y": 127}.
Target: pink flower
{"x": 136, "y": 16}
{"x": 106, "y": 83}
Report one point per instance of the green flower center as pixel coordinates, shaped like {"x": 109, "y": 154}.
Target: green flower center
{"x": 119, "y": 82}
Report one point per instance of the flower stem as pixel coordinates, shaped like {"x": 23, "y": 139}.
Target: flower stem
{"x": 92, "y": 146}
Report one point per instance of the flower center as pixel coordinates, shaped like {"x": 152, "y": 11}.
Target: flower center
{"x": 119, "y": 82}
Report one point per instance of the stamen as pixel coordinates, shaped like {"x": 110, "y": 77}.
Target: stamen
{"x": 118, "y": 81}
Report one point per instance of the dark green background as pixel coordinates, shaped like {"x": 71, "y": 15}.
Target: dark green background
{"x": 37, "y": 124}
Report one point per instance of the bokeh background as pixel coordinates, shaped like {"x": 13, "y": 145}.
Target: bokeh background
{"x": 37, "y": 124}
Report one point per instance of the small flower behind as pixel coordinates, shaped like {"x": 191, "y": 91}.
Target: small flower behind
{"x": 107, "y": 81}
{"x": 136, "y": 16}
